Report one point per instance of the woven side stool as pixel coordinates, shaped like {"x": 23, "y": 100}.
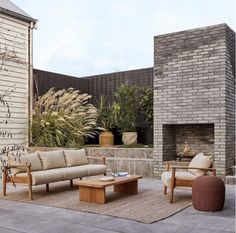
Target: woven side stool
{"x": 208, "y": 193}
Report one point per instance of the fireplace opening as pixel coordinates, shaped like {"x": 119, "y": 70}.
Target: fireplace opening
{"x": 198, "y": 138}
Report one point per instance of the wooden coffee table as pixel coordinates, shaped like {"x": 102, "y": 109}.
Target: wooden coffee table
{"x": 93, "y": 190}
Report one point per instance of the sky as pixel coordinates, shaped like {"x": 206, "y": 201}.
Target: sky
{"x": 89, "y": 37}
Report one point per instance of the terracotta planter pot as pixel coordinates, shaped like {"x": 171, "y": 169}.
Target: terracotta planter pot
{"x": 106, "y": 139}
{"x": 129, "y": 137}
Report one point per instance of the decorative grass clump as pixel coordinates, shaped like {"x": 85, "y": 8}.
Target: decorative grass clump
{"x": 63, "y": 119}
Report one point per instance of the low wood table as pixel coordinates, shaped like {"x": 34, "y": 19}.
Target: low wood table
{"x": 94, "y": 191}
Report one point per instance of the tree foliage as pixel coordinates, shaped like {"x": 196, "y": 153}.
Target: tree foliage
{"x": 126, "y": 105}
{"x": 146, "y": 104}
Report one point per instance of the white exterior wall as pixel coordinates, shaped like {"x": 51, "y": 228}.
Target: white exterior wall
{"x": 15, "y": 73}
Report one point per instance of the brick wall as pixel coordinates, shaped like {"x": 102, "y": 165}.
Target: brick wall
{"x": 193, "y": 84}
{"x": 169, "y": 142}
{"x": 230, "y": 97}
{"x": 200, "y": 138}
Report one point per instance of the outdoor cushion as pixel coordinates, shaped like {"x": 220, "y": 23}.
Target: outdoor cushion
{"x": 67, "y": 173}
{"x": 44, "y": 177}
{"x": 95, "y": 169}
{"x": 71, "y": 173}
{"x": 166, "y": 176}
{"x": 24, "y": 159}
{"x": 52, "y": 159}
{"x": 75, "y": 157}
{"x": 201, "y": 161}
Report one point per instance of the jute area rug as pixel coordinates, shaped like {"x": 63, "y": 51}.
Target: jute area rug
{"x": 147, "y": 206}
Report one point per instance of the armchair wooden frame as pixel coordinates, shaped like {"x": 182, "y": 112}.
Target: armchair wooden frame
{"x": 28, "y": 179}
{"x": 174, "y": 182}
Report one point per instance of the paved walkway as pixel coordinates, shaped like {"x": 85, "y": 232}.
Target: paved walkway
{"x": 17, "y": 217}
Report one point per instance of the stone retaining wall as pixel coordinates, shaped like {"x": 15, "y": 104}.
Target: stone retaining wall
{"x": 136, "y": 161}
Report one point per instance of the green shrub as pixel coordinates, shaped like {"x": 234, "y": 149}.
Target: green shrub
{"x": 126, "y": 107}
{"x": 146, "y": 104}
{"x": 105, "y": 116}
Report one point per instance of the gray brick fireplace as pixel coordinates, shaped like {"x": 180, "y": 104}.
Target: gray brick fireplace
{"x": 194, "y": 95}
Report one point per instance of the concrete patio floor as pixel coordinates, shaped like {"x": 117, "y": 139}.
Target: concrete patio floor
{"x": 18, "y": 217}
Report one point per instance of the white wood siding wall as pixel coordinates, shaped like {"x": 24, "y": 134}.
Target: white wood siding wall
{"x": 14, "y": 74}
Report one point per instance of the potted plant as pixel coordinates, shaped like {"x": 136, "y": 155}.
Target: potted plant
{"x": 104, "y": 121}
{"x": 127, "y": 102}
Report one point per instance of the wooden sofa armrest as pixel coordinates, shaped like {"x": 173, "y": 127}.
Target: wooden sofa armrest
{"x": 6, "y": 168}
{"x": 12, "y": 179}
{"x": 213, "y": 170}
{"x": 16, "y": 166}
{"x": 103, "y": 158}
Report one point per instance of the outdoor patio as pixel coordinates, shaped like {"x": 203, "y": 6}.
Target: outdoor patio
{"x": 149, "y": 131}
{"x": 31, "y": 218}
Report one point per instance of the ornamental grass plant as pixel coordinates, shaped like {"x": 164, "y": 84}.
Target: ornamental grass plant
{"x": 63, "y": 118}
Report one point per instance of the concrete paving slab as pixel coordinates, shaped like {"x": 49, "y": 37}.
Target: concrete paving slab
{"x": 197, "y": 229}
{"x": 4, "y": 230}
{"x": 208, "y": 221}
{"x": 18, "y": 217}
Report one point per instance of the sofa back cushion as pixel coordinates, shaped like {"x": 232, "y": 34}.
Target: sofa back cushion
{"x": 52, "y": 159}
{"x": 25, "y": 159}
{"x": 75, "y": 157}
{"x": 201, "y": 161}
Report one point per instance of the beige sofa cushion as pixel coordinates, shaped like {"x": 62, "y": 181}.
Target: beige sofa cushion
{"x": 75, "y": 157}
{"x": 166, "y": 176}
{"x": 44, "y": 177}
{"x": 95, "y": 169}
{"x": 76, "y": 172}
{"x": 25, "y": 159}
{"x": 52, "y": 159}
{"x": 201, "y": 161}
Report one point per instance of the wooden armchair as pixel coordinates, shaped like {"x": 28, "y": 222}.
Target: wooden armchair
{"x": 173, "y": 178}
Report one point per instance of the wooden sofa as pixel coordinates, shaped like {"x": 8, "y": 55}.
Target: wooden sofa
{"x": 47, "y": 167}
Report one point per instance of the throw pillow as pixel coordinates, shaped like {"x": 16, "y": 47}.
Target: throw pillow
{"x": 75, "y": 157}
{"x": 201, "y": 161}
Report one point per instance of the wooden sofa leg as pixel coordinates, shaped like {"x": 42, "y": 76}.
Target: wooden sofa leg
{"x": 47, "y": 188}
{"x": 71, "y": 183}
{"x": 29, "y": 183}
{"x": 165, "y": 190}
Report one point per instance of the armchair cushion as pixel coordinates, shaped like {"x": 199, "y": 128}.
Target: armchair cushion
{"x": 183, "y": 175}
{"x": 75, "y": 157}
{"x": 201, "y": 161}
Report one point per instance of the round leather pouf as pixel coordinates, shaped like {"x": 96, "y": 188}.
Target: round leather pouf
{"x": 208, "y": 193}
